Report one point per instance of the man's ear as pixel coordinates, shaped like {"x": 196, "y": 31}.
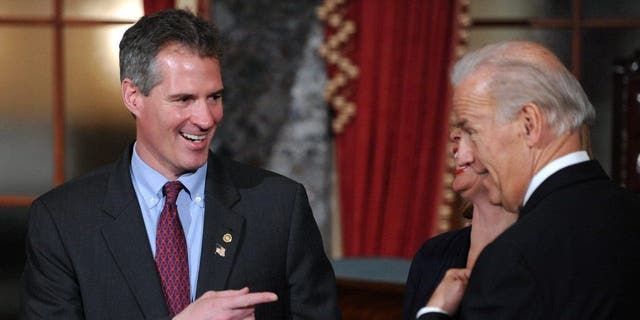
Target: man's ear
{"x": 131, "y": 96}
{"x": 532, "y": 120}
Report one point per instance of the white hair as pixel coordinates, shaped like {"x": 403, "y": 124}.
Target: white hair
{"x": 515, "y": 80}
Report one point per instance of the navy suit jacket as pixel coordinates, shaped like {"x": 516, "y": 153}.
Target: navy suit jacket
{"x": 574, "y": 253}
{"x": 88, "y": 255}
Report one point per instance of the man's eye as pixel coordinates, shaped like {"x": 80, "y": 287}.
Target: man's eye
{"x": 182, "y": 99}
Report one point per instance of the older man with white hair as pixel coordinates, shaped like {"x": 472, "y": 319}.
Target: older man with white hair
{"x": 574, "y": 252}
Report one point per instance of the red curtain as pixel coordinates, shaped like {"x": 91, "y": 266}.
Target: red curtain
{"x": 391, "y": 155}
{"x": 153, "y": 6}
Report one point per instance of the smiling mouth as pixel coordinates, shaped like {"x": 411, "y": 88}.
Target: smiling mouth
{"x": 460, "y": 170}
{"x": 193, "y": 137}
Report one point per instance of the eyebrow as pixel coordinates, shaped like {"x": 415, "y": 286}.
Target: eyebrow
{"x": 179, "y": 96}
{"x": 217, "y": 92}
{"x": 182, "y": 95}
{"x": 459, "y": 123}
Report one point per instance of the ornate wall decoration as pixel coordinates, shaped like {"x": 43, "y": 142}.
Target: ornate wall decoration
{"x": 342, "y": 70}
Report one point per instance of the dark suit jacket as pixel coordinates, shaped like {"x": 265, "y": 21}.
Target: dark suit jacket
{"x": 573, "y": 254}
{"x": 431, "y": 262}
{"x": 88, "y": 255}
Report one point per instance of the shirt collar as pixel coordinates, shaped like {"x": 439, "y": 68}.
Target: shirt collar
{"x": 150, "y": 181}
{"x": 553, "y": 167}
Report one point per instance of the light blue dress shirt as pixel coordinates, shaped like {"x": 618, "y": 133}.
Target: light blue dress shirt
{"x": 148, "y": 184}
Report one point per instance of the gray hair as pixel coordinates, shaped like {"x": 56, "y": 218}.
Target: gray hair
{"x": 141, "y": 43}
{"x": 515, "y": 80}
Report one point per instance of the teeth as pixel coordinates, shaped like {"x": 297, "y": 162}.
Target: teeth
{"x": 193, "y": 137}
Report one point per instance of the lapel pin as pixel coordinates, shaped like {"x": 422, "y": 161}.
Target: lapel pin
{"x": 227, "y": 238}
{"x": 220, "y": 250}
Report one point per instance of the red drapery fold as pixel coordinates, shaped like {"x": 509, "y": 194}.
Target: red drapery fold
{"x": 391, "y": 156}
{"x": 153, "y": 6}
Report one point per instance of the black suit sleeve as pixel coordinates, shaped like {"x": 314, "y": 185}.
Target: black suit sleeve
{"x": 311, "y": 280}
{"x": 49, "y": 287}
{"x": 434, "y": 316}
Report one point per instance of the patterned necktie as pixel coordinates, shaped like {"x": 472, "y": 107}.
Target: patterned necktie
{"x": 171, "y": 252}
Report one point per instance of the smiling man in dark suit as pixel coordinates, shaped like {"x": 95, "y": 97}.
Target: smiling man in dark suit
{"x": 172, "y": 230}
{"x": 574, "y": 252}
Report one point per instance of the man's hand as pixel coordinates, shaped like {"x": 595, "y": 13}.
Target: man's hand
{"x": 448, "y": 294}
{"x": 226, "y": 305}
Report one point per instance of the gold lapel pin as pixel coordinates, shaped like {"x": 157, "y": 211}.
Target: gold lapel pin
{"x": 227, "y": 238}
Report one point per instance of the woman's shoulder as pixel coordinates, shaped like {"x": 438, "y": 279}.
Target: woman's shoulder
{"x": 447, "y": 243}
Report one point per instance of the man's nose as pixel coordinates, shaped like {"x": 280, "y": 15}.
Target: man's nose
{"x": 454, "y": 135}
{"x": 206, "y": 115}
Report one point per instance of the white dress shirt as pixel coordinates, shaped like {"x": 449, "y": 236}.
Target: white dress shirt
{"x": 553, "y": 167}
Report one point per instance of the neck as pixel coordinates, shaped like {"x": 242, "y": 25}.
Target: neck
{"x": 555, "y": 148}
{"x": 540, "y": 154}
{"x": 488, "y": 222}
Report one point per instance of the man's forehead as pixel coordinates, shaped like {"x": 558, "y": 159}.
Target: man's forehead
{"x": 462, "y": 110}
{"x": 477, "y": 81}
{"x": 470, "y": 100}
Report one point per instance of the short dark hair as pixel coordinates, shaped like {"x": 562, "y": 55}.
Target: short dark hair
{"x": 141, "y": 43}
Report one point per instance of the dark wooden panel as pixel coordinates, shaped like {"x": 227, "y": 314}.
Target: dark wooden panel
{"x": 360, "y": 299}
{"x": 626, "y": 123}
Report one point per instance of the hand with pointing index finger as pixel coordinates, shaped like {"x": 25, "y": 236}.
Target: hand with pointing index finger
{"x": 226, "y": 305}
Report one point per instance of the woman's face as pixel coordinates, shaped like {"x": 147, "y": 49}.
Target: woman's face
{"x": 468, "y": 183}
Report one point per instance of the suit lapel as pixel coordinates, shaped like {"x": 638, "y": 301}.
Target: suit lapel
{"x": 222, "y": 229}
{"x": 128, "y": 242}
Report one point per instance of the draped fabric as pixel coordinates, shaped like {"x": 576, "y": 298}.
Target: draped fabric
{"x": 390, "y": 157}
{"x": 153, "y": 6}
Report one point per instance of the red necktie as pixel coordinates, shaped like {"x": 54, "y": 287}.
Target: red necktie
{"x": 171, "y": 252}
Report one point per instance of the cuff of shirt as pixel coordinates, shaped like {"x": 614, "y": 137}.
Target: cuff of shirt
{"x": 424, "y": 310}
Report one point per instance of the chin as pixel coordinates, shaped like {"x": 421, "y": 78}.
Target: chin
{"x": 195, "y": 163}
{"x": 459, "y": 186}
